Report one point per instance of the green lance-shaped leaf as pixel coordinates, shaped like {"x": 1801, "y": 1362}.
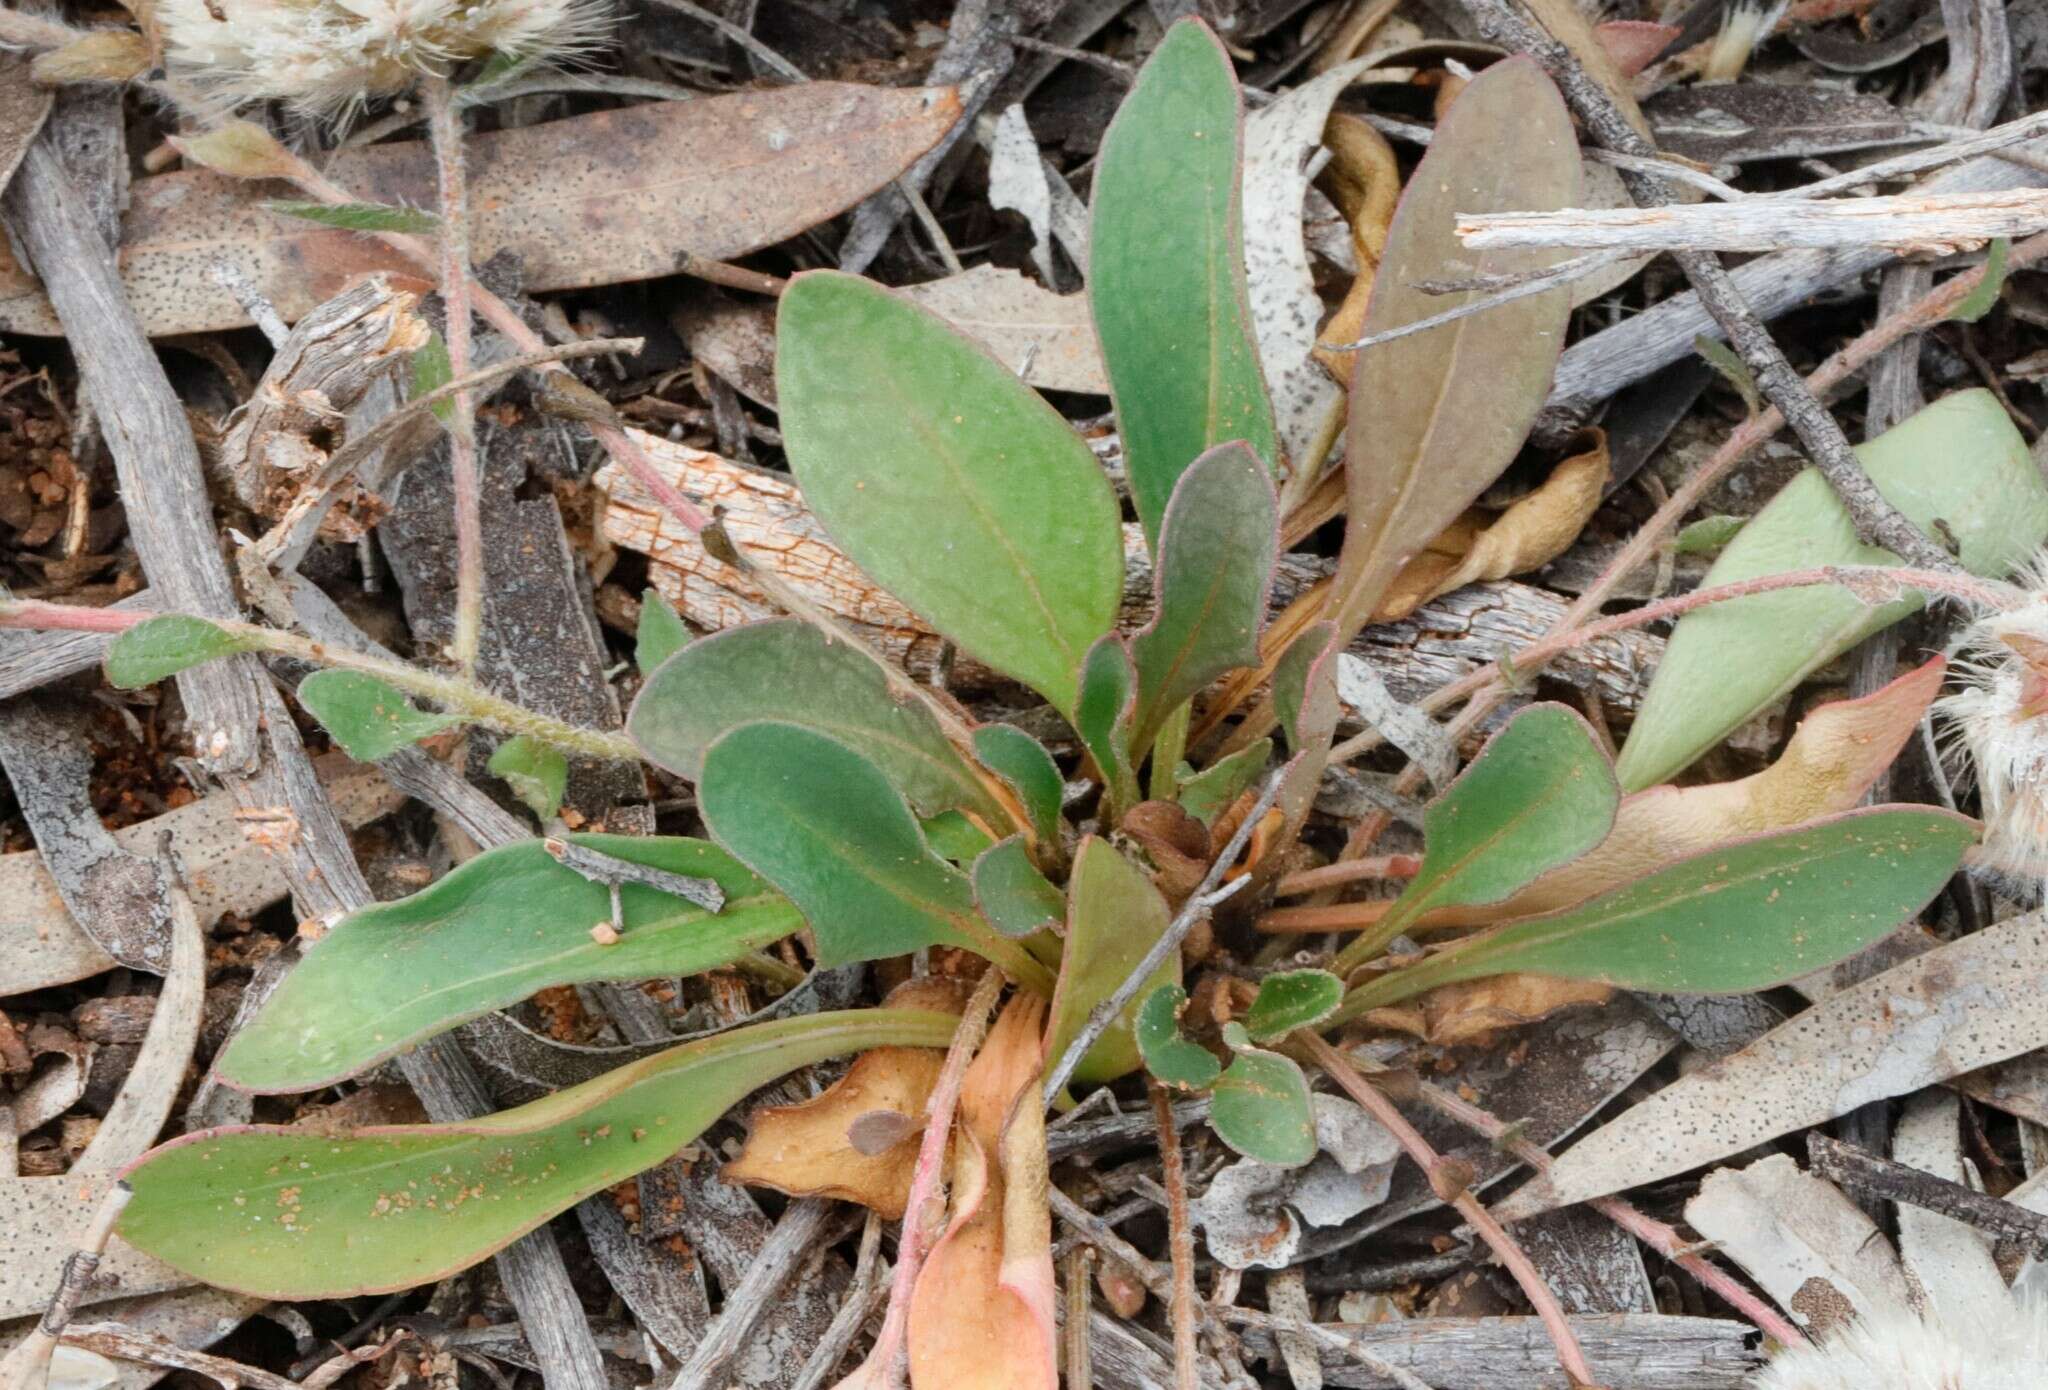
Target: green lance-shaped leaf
{"x": 509, "y": 922}
{"x": 1209, "y": 792}
{"x": 1109, "y": 697}
{"x": 431, "y": 370}
{"x": 369, "y": 718}
{"x": 1114, "y": 914}
{"x": 1292, "y": 999}
{"x": 1022, "y": 762}
{"x": 949, "y": 481}
{"x": 156, "y": 648}
{"x": 1166, "y": 275}
{"x": 1170, "y": 1057}
{"x": 1958, "y": 468}
{"x": 1977, "y": 303}
{"x": 787, "y": 670}
{"x": 537, "y": 773}
{"x": 1260, "y": 1105}
{"x": 358, "y": 217}
{"x": 660, "y": 633}
{"x": 1539, "y": 795}
{"x": 1010, "y": 891}
{"x": 824, "y": 825}
{"x": 1740, "y": 917}
{"x": 1215, "y": 568}
{"x": 1305, "y": 698}
{"x": 1436, "y": 416}
{"x": 301, "y": 1213}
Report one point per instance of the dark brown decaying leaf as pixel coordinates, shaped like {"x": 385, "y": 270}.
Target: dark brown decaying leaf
{"x": 592, "y": 200}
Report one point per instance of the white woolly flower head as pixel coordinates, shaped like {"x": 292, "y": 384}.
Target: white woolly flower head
{"x": 324, "y": 56}
{"x": 1901, "y": 1350}
{"x": 1996, "y": 726}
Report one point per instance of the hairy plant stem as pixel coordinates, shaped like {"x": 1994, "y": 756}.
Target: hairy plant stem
{"x": 444, "y": 126}
{"x": 453, "y": 693}
{"x": 1180, "y": 1239}
{"x": 1652, "y": 1232}
{"x": 1450, "y": 1186}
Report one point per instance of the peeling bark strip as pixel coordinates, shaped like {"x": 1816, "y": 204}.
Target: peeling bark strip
{"x": 1938, "y": 222}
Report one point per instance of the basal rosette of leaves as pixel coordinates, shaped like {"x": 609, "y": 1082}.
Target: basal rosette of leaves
{"x": 872, "y": 818}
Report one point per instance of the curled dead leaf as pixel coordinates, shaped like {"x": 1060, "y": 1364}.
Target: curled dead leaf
{"x": 833, "y": 1145}
{"x": 1472, "y": 1011}
{"x": 1836, "y": 753}
{"x": 981, "y": 1314}
{"x": 1364, "y": 180}
{"x": 1527, "y": 536}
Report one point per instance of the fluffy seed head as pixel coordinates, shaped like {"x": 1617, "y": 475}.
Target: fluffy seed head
{"x": 324, "y": 56}
{"x": 1898, "y": 1350}
{"x": 1996, "y": 725}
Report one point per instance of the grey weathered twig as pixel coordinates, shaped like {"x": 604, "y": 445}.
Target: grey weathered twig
{"x": 1197, "y": 908}
{"x": 1938, "y": 222}
{"x": 612, "y": 871}
{"x": 1825, "y": 444}
{"x": 1864, "y": 1172}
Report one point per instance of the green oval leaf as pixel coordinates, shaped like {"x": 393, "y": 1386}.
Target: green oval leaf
{"x": 949, "y": 481}
{"x": 823, "y": 824}
{"x": 1114, "y": 914}
{"x": 1436, "y": 417}
{"x": 1022, "y": 762}
{"x": 1959, "y": 462}
{"x": 789, "y": 671}
{"x": 1166, "y": 271}
{"x": 1209, "y": 792}
{"x": 537, "y": 773}
{"x": 1740, "y": 917}
{"x": 1260, "y": 1107}
{"x": 159, "y": 647}
{"x": 369, "y": 718}
{"x": 507, "y": 923}
{"x": 1292, "y": 999}
{"x": 358, "y": 217}
{"x": 1540, "y": 794}
{"x": 660, "y": 633}
{"x": 1171, "y": 1058}
{"x": 1217, "y": 546}
{"x": 1012, "y": 893}
{"x": 298, "y": 1213}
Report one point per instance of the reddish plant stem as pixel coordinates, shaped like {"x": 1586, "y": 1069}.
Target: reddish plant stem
{"x": 1324, "y": 917}
{"x": 444, "y": 127}
{"x": 924, "y": 1211}
{"x": 1349, "y": 871}
{"x": 1652, "y": 1232}
{"x": 1449, "y": 1186}
{"x": 1180, "y": 1240}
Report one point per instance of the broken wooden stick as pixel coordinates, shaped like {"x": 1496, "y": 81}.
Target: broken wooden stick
{"x": 1940, "y": 223}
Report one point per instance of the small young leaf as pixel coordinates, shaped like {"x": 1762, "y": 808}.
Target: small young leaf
{"x": 431, "y": 371}
{"x": 1217, "y": 544}
{"x": 239, "y": 149}
{"x": 1114, "y": 914}
{"x": 1103, "y": 717}
{"x": 1740, "y": 917}
{"x": 824, "y": 825}
{"x": 367, "y": 717}
{"x": 1732, "y": 368}
{"x": 358, "y": 217}
{"x": 1977, "y": 303}
{"x": 1290, "y": 1000}
{"x": 955, "y": 837}
{"x": 509, "y": 922}
{"x": 1707, "y": 536}
{"x": 1022, "y": 762}
{"x": 660, "y": 635}
{"x": 537, "y": 773}
{"x": 1171, "y": 1058}
{"x": 1540, "y": 794}
{"x": 950, "y": 482}
{"x": 1016, "y": 898}
{"x": 160, "y": 647}
{"x": 789, "y": 671}
{"x": 1260, "y": 1107}
{"x": 1166, "y": 274}
{"x": 1305, "y": 689}
{"x": 291, "y": 1213}
{"x": 1208, "y": 793}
